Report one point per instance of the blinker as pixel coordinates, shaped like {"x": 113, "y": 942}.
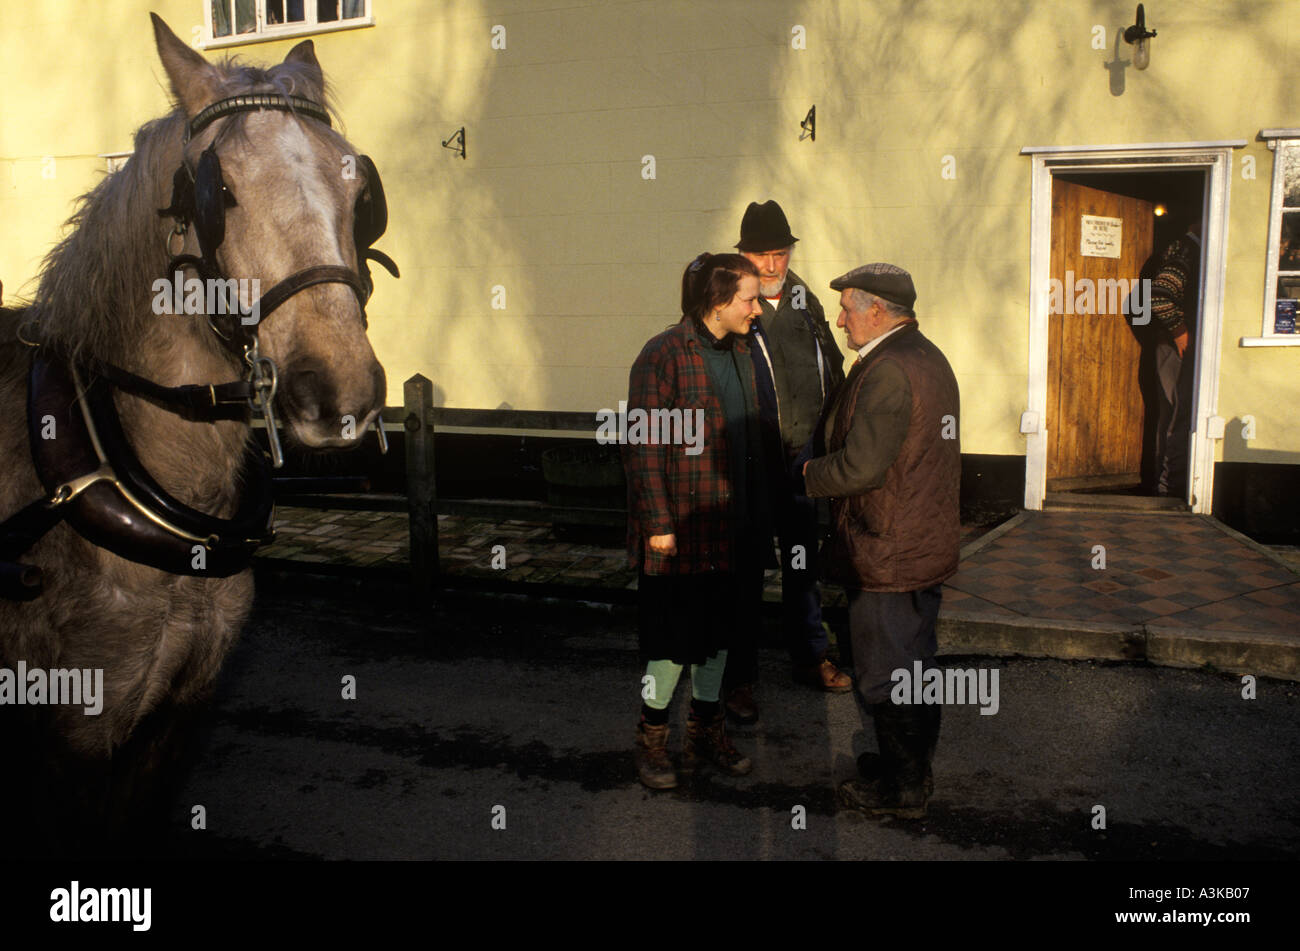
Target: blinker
{"x": 209, "y": 204}
{"x": 369, "y": 222}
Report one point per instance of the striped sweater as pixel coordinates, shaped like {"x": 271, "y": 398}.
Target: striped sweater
{"x": 1176, "y": 286}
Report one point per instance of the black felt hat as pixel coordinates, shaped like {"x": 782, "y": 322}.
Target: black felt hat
{"x": 764, "y": 228}
{"x": 887, "y": 281}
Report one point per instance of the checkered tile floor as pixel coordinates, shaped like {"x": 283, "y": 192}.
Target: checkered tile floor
{"x": 1177, "y": 570}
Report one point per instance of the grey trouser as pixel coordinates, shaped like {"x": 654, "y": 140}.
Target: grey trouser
{"x": 889, "y": 631}
{"x": 1174, "y": 424}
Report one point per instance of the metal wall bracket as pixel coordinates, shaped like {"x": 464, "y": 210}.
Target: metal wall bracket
{"x": 456, "y": 142}
{"x": 809, "y": 125}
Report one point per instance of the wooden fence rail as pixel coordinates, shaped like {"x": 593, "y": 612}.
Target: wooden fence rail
{"x": 420, "y": 419}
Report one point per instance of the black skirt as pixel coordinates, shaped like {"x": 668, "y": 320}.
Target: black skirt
{"x": 686, "y": 618}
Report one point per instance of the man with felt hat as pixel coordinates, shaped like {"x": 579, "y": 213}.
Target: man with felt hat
{"x": 798, "y": 367}
{"x": 889, "y": 458}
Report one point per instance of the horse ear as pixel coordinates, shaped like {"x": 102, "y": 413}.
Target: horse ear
{"x": 195, "y": 82}
{"x": 304, "y": 54}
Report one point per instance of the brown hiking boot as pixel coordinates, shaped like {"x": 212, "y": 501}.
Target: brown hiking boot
{"x": 740, "y": 705}
{"x": 823, "y": 676}
{"x": 710, "y": 742}
{"x": 653, "y": 767}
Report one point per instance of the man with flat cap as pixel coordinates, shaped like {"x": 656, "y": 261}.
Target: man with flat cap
{"x": 892, "y": 468}
{"x": 798, "y": 367}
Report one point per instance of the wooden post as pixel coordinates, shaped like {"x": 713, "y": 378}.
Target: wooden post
{"x": 421, "y": 488}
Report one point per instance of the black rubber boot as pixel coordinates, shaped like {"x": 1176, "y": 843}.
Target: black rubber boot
{"x": 934, "y": 715}
{"x": 903, "y": 734}
{"x": 871, "y": 765}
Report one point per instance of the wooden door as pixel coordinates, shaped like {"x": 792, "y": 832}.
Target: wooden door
{"x": 1094, "y": 405}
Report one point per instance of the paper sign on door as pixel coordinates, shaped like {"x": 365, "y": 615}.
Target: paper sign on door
{"x": 1100, "y": 237}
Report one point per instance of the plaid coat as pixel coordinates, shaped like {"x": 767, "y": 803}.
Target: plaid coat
{"x": 669, "y": 491}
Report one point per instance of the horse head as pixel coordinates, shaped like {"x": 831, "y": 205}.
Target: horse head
{"x": 287, "y": 207}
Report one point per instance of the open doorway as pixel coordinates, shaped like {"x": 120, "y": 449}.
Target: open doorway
{"x": 1120, "y": 396}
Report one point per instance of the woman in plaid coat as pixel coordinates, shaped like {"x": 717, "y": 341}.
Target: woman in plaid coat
{"x": 697, "y": 508}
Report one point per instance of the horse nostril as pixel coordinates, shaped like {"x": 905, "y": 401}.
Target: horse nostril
{"x": 306, "y": 393}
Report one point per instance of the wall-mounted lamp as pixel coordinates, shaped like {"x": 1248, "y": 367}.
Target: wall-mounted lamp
{"x": 1140, "y": 37}
{"x": 1160, "y": 211}
{"x": 457, "y": 142}
{"x": 809, "y": 125}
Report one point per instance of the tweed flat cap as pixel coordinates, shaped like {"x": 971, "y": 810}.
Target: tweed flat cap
{"x": 887, "y": 281}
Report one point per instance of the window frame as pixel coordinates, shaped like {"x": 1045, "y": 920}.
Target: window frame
{"x": 113, "y": 161}
{"x": 1281, "y": 142}
{"x": 265, "y": 33}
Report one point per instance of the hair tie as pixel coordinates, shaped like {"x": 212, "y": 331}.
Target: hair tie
{"x": 699, "y": 261}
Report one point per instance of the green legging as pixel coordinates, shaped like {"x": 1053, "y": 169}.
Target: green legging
{"x": 706, "y": 680}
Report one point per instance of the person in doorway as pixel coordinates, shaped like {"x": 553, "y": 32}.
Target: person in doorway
{"x": 697, "y": 513}
{"x": 798, "y": 368}
{"x": 1175, "y": 300}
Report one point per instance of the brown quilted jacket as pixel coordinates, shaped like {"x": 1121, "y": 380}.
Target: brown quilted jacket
{"x": 903, "y": 534}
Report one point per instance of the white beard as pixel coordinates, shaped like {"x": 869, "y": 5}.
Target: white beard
{"x": 772, "y": 288}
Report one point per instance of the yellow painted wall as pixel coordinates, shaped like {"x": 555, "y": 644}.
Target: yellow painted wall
{"x": 551, "y": 202}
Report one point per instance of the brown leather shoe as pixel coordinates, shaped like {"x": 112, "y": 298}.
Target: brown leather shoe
{"x": 823, "y": 676}
{"x": 740, "y": 705}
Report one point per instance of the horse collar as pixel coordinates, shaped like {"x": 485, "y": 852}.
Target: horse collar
{"x": 96, "y": 483}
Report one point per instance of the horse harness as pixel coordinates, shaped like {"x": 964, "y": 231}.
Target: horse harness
{"x": 95, "y": 480}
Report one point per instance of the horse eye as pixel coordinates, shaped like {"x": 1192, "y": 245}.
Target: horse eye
{"x": 228, "y": 197}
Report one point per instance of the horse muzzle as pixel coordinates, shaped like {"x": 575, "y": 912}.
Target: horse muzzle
{"x": 324, "y": 410}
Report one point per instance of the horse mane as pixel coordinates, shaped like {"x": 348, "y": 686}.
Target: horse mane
{"x": 94, "y": 297}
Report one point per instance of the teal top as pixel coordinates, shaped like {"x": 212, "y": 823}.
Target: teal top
{"x": 732, "y": 374}
{"x": 720, "y": 360}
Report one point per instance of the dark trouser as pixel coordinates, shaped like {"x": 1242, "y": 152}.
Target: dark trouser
{"x": 801, "y": 598}
{"x": 742, "y": 657}
{"x": 1174, "y": 423}
{"x": 890, "y": 630}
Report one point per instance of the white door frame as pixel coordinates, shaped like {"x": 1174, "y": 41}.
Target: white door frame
{"x": 1215, "y": 159}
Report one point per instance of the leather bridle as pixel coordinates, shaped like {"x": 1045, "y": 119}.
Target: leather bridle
{"x": 94, "y": 479}
{"x": 199, "y": 199}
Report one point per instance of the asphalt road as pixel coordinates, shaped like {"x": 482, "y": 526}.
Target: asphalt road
{"x": 482, "y": 713}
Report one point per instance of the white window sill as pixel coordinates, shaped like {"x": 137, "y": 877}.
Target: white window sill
{"x": 1280, "y": 340}
{"x": 284, "y": 33}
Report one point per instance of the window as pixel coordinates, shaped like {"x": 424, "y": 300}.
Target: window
{"x": 1282, "y": 290}
{"x": 232, "y": 22}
